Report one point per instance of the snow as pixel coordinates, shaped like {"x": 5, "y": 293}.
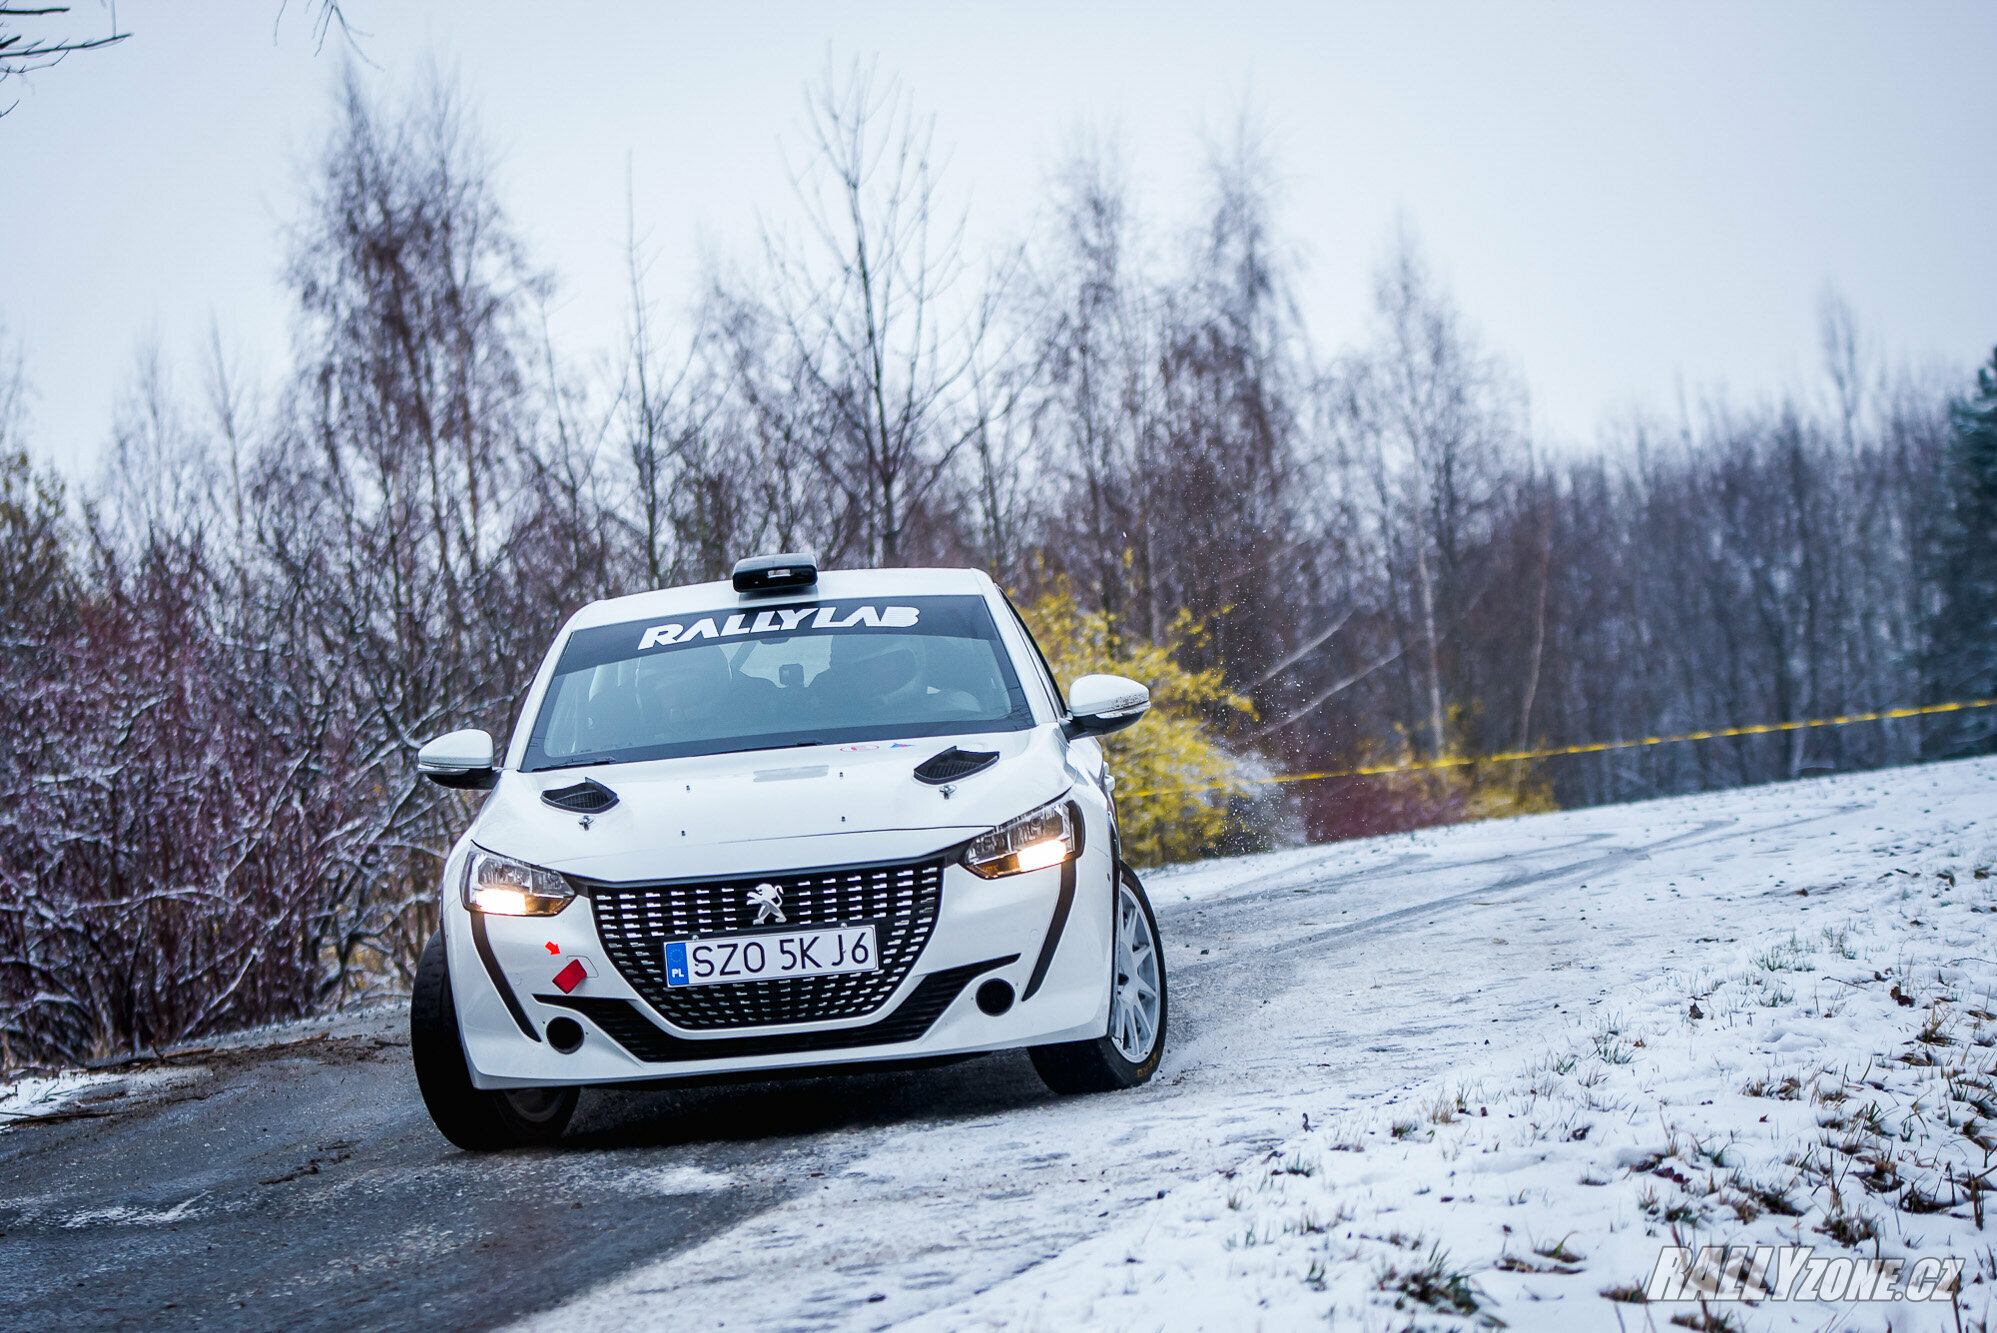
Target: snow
{"x": 126, "y": 1215}
{"x": 685, "y": 1180}
{"x": 1458, "y": 1069}
{"x": 32, "y": 1095}
{"x": 1487, "y": 1031}
{"x": 1545, "y": 1179}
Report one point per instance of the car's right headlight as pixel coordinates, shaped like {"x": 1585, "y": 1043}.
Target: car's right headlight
{"x": 1035, "y": 840}
{"x": 501, "y": 886}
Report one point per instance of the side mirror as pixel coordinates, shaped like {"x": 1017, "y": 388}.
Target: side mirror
{"x": 461, "y": 759}
{"x": 1099, "y": 705}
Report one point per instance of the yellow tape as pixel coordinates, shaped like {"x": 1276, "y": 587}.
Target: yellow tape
{"x": 1596, "y": 747}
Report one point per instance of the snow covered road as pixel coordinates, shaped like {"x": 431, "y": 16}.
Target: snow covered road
{"x": 301, "y": 1186}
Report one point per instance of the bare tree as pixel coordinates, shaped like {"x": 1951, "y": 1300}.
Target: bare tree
{"x": 13, "y": 394}
{"x": 159, "y": 477}
{"x": 214, "y": 667}
{"x": 34, "y": 37}
{"x": 409, "y": 467}
{"x": 1436, "y": 422}
{"x": 874, "y": 303}
{"x": 1099, "y": 351}
{"x": 646, "y": 404}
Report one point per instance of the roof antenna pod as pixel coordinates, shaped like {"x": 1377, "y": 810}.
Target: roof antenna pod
{"x": 776, "y": 573}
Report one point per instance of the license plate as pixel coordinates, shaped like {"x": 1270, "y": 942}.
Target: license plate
{"x": 767, "y": 957}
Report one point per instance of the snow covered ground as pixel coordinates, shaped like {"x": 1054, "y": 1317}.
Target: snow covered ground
{"x": 40, "y": 1096}
{"x": 1439, "y": 1080}
{"x": 35, "y": 1097}
{"x": 1504, "y": 1065}
{"x": 1802, "y": 1050}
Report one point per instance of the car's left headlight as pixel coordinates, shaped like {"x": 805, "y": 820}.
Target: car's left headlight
{"x": 501, "y": 886}
{"x": 1035, "y": 840}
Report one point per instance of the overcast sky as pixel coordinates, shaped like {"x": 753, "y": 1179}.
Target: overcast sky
{"x": 1623, "y": 198}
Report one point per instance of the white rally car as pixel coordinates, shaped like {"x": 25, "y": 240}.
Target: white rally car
{"x": 789, "y": 821}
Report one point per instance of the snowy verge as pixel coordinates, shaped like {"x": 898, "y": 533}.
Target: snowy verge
{"x": 38, "y": 1096}
{"x": 33, "y": 1098}
{"x": 1831, "y": 1085}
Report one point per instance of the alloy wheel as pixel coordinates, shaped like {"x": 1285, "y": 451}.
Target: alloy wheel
{"x": 1133, "y": 1009}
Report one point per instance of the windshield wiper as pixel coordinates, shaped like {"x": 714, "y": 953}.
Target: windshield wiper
{"x": 575, "y": 763}
{"x": 607, "y": 758}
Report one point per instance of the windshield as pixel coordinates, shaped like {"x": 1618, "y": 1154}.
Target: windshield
{"x": 821, "y": 673}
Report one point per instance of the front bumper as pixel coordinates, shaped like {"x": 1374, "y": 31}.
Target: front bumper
{"x": 506, "y": 994}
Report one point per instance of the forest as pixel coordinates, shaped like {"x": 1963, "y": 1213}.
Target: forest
{"x": 218, "y": 657}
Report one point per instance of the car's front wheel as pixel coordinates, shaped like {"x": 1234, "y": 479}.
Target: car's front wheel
{"x": 1128, "y": 1053}
{"x": 474, "y": 1119}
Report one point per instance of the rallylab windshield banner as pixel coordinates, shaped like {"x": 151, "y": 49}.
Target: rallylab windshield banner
{"x": 961, "y": 617}
{"x": 790, "y": 620}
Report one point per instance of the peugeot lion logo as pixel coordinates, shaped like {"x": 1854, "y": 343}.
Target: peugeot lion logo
{"x": 768, "y": 900}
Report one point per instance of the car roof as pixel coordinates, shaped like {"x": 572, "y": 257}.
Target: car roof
{"x": 832, "y": 585}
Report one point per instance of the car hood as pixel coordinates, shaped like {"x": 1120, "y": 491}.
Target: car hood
{"x": 770, "y": 810}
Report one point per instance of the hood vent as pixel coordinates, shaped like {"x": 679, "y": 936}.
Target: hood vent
{"x": 953, "y": 764}
{"x": 588, "y": 797}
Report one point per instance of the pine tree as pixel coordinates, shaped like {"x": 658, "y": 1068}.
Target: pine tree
{"x": 1963, "y": 632}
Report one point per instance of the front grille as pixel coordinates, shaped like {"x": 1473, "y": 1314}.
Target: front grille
{"x": 635, "y": 921}
{"x": 642, "y": 1037}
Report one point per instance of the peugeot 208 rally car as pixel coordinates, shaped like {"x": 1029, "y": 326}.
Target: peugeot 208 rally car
{"x": 789, "y": 821}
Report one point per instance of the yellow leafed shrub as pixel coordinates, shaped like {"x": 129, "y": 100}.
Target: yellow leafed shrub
{"x": 1377, "y": 799}
{"x": 1172, "y": 748}
{"x": 1488, "y": 790}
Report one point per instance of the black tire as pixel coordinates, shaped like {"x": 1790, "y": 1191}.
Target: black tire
{"x": 475, "y": 1120}
{"x": 1097, "y": 1065}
